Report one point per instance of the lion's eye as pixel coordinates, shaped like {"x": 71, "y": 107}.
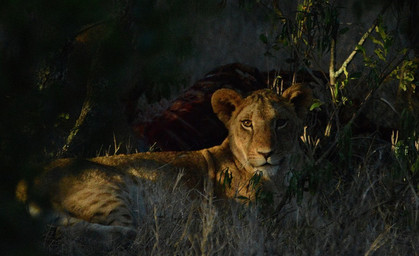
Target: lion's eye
{"x": 247, "y": 123}
{"x": 281, "y": 123}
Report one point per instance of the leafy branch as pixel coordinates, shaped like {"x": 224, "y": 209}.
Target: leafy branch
{"x": 333, "y": 75}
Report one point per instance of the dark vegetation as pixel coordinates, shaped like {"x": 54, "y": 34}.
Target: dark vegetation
{"x": 71, "y": 73}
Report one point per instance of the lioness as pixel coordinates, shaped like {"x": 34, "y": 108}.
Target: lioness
{"x": 263, "y": 130}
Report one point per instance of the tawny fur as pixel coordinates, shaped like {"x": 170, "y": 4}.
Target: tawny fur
{"x": 263, "y": 129}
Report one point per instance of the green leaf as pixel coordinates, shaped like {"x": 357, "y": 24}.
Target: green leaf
{"x": 402, "y": 86}
{"x": 375, "y": 41}
{"x": 345, "y": 72}
{"x": 380, "y": 29}
{"x": 336, "y": 91}
{"x": 316, "y": 104}
{"x": 65, "y": 116}
{"x": 256, "y": 179}
{"x": 380, "y": 54}
{"x": 408, "y": 77}
{"x": 300, "y": 7}
{"x": 360, "y": 48}
{"x": 263, "y": 38}
{"x": 344, "y": 100}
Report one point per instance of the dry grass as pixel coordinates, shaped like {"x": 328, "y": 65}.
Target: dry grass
{"x": 369, "y": 212}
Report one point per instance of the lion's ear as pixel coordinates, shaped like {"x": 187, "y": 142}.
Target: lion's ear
{"x": 301, "y": 97}
{"x": 224, "y": 102}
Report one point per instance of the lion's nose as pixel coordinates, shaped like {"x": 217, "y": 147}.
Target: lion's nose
{"x": 265, "y": 152}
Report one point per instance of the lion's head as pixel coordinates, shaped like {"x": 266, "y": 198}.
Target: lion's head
{"x": 264, "y": 126}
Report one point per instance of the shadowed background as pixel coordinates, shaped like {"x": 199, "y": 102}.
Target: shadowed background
{"x": 65, "y": 64}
